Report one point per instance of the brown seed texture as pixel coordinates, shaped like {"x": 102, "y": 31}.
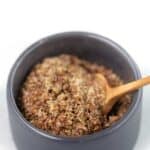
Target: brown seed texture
{"x": 62, "y": 96}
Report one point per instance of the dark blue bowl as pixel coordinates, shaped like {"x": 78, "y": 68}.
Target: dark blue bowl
{"x": 121, "y": 136}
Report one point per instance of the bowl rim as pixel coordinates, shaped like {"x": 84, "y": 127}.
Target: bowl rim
{"x": 137, "y": 96}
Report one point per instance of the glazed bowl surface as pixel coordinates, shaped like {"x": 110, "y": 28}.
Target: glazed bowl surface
{"x": 91, "y": 47}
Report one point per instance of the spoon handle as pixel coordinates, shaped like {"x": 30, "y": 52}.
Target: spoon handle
{"x": 129, "y": 87}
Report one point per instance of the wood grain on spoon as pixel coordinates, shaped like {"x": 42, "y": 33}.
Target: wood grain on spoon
{"x": 112, "y": 94}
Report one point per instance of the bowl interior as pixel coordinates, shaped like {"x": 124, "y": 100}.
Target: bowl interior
{"x": 93, "y": 49}
{"x": 90, "y": 47}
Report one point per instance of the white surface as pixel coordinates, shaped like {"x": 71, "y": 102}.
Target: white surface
{"x": 23, "y": 22}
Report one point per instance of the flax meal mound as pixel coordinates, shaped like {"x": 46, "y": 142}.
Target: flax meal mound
{"x": 62, "y": 96}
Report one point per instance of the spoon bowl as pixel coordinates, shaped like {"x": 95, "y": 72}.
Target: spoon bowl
{"x": 112, "y": 94}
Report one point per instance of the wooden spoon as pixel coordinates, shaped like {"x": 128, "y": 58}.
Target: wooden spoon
{"x": 112, "y": 94}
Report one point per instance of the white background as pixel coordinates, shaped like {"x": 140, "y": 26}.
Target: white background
{"x": 22, "y": 22}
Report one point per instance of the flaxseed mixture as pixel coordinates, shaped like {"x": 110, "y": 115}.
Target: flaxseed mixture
{"x": 62, "y": 96}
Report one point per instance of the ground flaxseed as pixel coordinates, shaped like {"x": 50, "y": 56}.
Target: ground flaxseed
{"x": 61, "y": 95}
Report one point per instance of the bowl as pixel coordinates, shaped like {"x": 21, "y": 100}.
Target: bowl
{"x": 94, "y": 48}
